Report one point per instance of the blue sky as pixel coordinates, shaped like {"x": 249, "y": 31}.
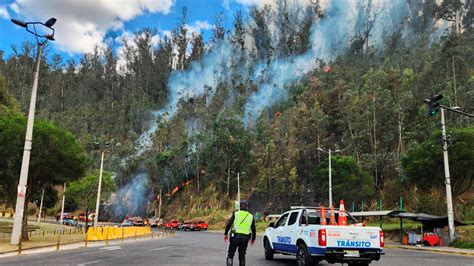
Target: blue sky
{"x": 83, "y": 24}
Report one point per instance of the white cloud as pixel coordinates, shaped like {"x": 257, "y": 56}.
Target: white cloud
{"x": 226, "y": 4}
{"x": 83, "y": 24}
{"x": 4, "y": 13}
{"x": 261, "y": 3}
{"x": 197, "y": 26}
{"x": 248, "y": 2}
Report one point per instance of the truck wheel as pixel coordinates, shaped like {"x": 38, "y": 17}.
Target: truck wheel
{"x": 303, "y": 258}
{"x": 268, "y": 250}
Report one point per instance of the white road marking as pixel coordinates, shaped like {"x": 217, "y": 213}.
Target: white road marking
{"x": 160, "y": 248}
{"x": 189, "y": 242}
{"x": 90, "y": 262}
{"x": 111, "y": 248}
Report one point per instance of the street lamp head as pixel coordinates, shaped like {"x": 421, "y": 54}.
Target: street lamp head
{"x": 337, "y": 150}
{"x": 19, "y": 22}
{"x": 49, "y": 37}
{"x": 50, "y": 22}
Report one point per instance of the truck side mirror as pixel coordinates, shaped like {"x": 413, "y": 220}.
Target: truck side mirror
{"x": 271, "y": 224}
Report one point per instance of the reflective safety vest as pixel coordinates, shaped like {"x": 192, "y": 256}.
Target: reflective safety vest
{"x": 243, "y": 222}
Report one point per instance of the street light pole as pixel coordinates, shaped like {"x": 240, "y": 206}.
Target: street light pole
{"x": 96, "y": 218}
{"x": 25, "y": 163}
{"x": 449, "y": 197}
{"x": 20, "y": 200}
{"x": 330, "y": 172}
{"x": 62, "y": 207}
{"x": 330, "y": 180}
{"x": 238, "y": 187}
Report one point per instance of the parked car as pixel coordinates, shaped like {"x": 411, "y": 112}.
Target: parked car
{"x": 66, "y": 215}
{"x": 70, "y": 222}
{"x": 82, "y": 217}
{"x": 201, "y": 225}
{"x": 188, "y": 226}
{"x": 173, "y": 224}
{"x": 137, "y": 221}
{"x": 126, "y": 223}
{"x": 154, "y": 222}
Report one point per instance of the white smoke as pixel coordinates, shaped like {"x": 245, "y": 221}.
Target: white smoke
{"x": 131, "y": 199}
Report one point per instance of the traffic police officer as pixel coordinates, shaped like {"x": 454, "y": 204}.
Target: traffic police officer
{"x": 244, "y": 229}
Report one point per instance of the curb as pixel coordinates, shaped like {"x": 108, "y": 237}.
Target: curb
{"x": 464, "y": 253}
{"x": 34, "y": 248}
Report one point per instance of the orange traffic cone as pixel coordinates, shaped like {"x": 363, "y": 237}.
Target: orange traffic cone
{"x": 342, "y": 220}
{"x": 332, "y": 217}
{"x": 323, "y": 216}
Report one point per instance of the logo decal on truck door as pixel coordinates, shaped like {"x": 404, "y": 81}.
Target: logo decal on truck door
{"x": 284, "y": 239}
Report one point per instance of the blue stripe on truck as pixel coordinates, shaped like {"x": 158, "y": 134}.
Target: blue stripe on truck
{"x": 293, "y": 249}
{"x": 316, "y": 251}
{"x": 285, "y": 247}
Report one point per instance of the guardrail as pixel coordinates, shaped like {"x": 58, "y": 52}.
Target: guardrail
{"x": 103, "y": 234}
{"x": 65, "y": 231}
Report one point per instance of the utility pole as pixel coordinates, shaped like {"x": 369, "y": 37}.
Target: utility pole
{"x": 449, "y": 197}
{"x": 41, "y": 207}
{"x": 433, "y": 107}
{"x": 96, "y": 217}
{"x": 62, "y": 207}
{"x": 159, "y": 207}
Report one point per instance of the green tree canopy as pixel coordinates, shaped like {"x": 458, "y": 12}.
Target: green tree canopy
{"x": 424, "y": 167}
{"x": 6, "y": 99}
{"x": 56, "y": 157}
{"x": 84, "y": 191}
{"x": 349, "y": 181}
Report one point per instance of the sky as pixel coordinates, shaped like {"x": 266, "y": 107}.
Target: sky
{"x": 83, "y": 24}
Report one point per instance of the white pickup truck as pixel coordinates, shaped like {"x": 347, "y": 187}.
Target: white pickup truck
{"x": 299, "y": 232}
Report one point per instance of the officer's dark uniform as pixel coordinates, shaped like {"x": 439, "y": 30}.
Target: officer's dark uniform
{"x": 244, "y": 229}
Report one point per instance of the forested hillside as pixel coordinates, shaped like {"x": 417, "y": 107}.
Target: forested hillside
{"x": 262, "y": 96}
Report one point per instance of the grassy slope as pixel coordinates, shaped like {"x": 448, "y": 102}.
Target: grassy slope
{"x": 466, "y": 237}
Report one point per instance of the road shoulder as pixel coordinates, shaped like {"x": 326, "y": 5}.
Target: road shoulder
{"x": 446, "y": 250}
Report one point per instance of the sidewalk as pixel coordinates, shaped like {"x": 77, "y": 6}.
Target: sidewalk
{"x": 448, "y": 250}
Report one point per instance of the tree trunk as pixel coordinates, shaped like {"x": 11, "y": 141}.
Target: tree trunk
{"x": 400, "y": 137}
{"x": 87, "y": 220}
{"x": 24, "y": 227}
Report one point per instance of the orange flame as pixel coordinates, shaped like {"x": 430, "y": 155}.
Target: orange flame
{"x": 178, "y": 187}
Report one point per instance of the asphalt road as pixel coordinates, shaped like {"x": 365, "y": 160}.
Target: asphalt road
{"x": 201, "y": 248}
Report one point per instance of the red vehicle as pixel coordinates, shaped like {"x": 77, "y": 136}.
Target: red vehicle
{"x": 174, "y": 224}
{"x": 201, "y": 225}
{"x": 82, "y": 217}
{"x": 188, "y": 226}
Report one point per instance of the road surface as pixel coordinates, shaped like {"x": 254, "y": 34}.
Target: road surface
{"x": 201, "y": 248}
